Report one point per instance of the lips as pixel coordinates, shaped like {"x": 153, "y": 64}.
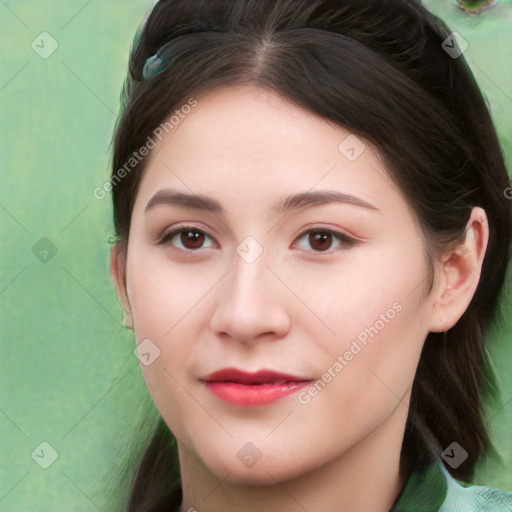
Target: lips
{"x": 260, "y": 377}
{"x": 251, "y": 389}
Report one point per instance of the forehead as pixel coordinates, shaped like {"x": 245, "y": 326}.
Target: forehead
{"x": 247, "y": 143}
{"x": 250, "y": 123}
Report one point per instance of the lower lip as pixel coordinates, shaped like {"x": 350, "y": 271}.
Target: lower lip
{"x": 247, "y": 395}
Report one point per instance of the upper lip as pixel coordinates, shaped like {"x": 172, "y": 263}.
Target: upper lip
{"x": 259, "y": 377}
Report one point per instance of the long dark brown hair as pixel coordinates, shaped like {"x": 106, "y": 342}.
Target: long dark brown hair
{"x": 378, "y": 68}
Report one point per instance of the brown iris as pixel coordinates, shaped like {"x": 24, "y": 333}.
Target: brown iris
{"x": 320, "y": 240}
{"x": 194, "y": 239}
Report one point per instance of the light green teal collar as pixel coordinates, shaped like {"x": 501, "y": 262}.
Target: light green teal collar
{"x": 433, "y": 489}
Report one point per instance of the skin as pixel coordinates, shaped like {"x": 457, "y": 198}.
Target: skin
{"x": 294, "y": 309}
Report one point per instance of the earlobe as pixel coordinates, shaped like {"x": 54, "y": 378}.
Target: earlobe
{"x": 118, "y": 274}
{"x": 460, "y": 274}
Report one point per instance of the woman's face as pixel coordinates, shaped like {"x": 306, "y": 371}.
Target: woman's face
{"x": 297, "y": 256}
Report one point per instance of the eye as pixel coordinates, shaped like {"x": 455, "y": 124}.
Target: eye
{"x": 187, "y": 238}
{"x": 322, "y": 240}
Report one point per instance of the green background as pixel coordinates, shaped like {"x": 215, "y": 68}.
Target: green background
{"x": 68, "y": 373}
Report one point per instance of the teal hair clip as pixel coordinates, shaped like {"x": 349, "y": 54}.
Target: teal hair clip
{"x": 156, "y": 64}
{"x": 153, "y": 66}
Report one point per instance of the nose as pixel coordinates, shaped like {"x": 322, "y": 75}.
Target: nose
{"x": 251, "y": 304}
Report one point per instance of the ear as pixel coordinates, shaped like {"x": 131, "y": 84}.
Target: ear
{"x": 118, "y": 273}
{"x": 459, "y": 274}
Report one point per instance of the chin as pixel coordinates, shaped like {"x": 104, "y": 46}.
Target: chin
{"x": 263, "y": 472}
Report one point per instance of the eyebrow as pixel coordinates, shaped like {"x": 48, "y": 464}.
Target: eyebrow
{"x": 300, "y": 201}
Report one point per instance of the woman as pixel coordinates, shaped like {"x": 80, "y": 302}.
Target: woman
{"x": 312, "y": 236}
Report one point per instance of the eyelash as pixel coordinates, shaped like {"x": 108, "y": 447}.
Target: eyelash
{"x": 346, "y": 242}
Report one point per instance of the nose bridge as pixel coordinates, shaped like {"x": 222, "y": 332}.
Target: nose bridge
{"x": 249, "y": 303}
{"x": 249, "y": 283}
{"x": 249, "y": 276}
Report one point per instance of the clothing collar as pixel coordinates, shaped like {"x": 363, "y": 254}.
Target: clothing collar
{"x": 433, "y": 489}
{"x": 425, "y": 491}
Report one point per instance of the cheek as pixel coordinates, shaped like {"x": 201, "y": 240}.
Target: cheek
{"x": 374, "y": 310}
{"x": 370, "y": 295}
{"x": 167, "y": 303}
{"x": 162, "y": 293}
{"x": 365, "y": 373}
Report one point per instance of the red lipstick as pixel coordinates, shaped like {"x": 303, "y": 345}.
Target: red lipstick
{"x": 247, "y": 389}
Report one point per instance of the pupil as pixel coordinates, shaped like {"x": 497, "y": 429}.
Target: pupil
{"x": 320, "y": 241}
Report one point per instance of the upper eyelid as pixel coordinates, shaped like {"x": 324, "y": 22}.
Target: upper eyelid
{"x": 173, "y": 231}
{"x": 342, "y": 237}
{"x": 176, "y": 231}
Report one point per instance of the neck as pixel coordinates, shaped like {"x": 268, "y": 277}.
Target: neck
{"x": 365, "y": 478}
